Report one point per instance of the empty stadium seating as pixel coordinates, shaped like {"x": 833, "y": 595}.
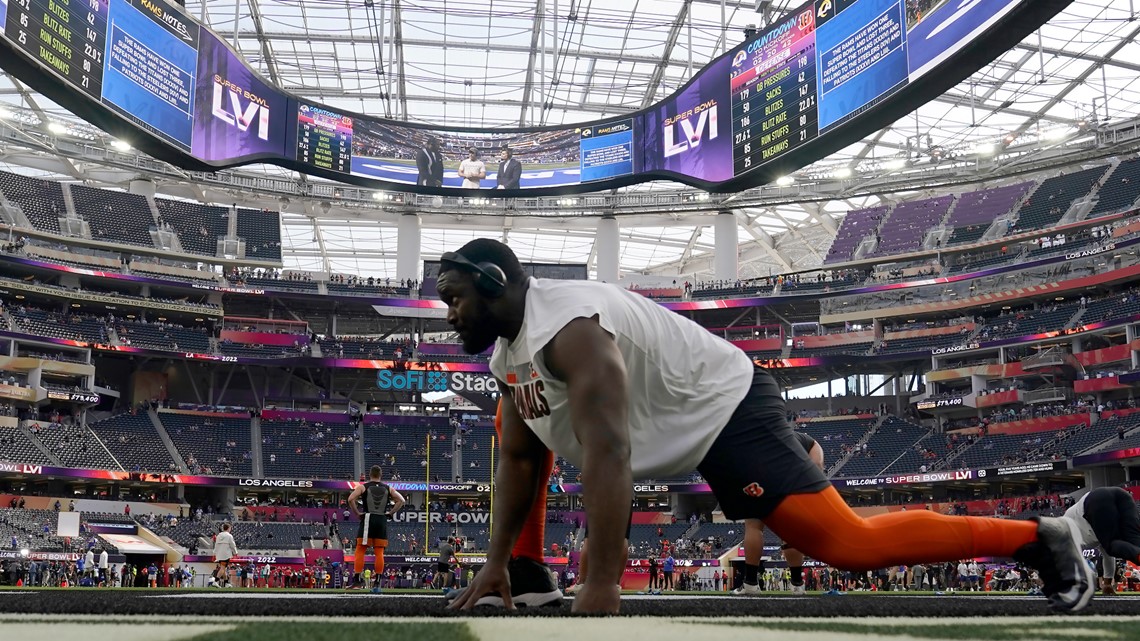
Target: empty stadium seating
{"x": 1054, "y": 197}
{"x": 295, "y": 449}
{"x": 348, "y": 347}
{"x": 134, "y": 442}
{"x": 282, "y": 284}
{"x": 1003, "y": 449}
{"x": 976, "y": 210}
{"x": 261, "y": 231}
{"x": 1112, "y": 441}
{"x": 251, "y": 537}
{"x": 730, "y": 534}
{"x": 832, "y": 435}
{"x": 1114, "y": 306}
{"x": 388, "y": 439}
{"x": 1102, "y": 434}
{"x": 1120, "y": 191}
{"x": 164, "y": 336}
{"x": 58, "y": 325}
{"x": 114, "y": 216}
{"x": 753, "y": 288}
{"x": 76, "y": 446}
{"x": 856, "y": 226}
{"x": 893, "y": 437}
{"x": 644, "y": 538}
{"x": 920, "y": 343}
{"x": 207, "y": 440}
{"x": 1035, "y": 321}
{"x": 16, "y": 448}
{"x": 41, "y": 200}
{"x": 359, "y": 289}
{"x": 906, "y": 227}
{"x": 29, "y": 527}
{"x": 927, "y": 451}
{"x": 258, "y": 351}
{"x": 198, "y": 226}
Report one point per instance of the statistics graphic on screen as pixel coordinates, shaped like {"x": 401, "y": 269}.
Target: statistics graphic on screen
{"x": 68, "y": 38}
{"x": 773, "y": 86}
{"x": 812, "y": 82}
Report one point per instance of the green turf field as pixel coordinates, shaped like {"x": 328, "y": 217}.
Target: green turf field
{"x": 552, "y": 629}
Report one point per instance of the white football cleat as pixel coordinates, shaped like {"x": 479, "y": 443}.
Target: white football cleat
{"x": 747, "y": 589}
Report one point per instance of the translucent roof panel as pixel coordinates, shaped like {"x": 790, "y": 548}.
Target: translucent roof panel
{"x": 509, "y": 63}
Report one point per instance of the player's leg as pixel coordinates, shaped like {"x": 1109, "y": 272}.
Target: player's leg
{"x": 795, "y": 560}
{"x": 532, "y": 583}
{"x": 758, "y": 470}
{"x": 379, "y": 546}
{"x": 753, "y": 556}
{"x": 530, "y": 542}
{"x": 358, "y": 561}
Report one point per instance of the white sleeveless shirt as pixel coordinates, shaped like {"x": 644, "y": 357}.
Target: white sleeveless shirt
{"x": 684, "y": 383}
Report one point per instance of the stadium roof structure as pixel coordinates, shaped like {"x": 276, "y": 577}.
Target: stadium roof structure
{"x": 1069, "y": 93}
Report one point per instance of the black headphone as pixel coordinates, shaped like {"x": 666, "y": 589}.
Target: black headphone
{"x": 490, "y": 279}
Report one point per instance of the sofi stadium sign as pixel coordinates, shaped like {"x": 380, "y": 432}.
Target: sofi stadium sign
{"x": 420, "y": 381}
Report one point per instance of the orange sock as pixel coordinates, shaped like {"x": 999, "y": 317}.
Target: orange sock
{"x": 822, "y": 526}
{"x": 358, "y": 562}
{"x": 378, "y": 547}
{"x": 530, "y": 542}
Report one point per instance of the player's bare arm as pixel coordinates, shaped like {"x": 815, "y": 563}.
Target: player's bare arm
{"x": 397, "y": 501}
{"x": 516, "y": 484}
{"x": 586, "y": 357}
{"x": 352, "y": 498}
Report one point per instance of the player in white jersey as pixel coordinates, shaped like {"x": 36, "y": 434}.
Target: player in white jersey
{"x": 472, "y": 170}
{"x": 625, "y": 389}
{"x": 1107, "y": 518}
{"x": 225, "y": 549}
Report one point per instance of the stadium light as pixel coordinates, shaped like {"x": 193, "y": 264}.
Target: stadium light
{"x": 121, "y": 146}
{"x": 57, "y": 128}
{"x": 843, "y": 172}
{"x": 1054, "y": 134}
{"x": 984, "y": 149}
{"x": 784, "y": 181}
{"x": 5, "y": 114}
{"x": 894, "y": 165}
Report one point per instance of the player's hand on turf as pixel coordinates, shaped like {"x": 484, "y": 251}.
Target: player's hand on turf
{"x": 492, "y": 579}
{"x": 597, "y": 599}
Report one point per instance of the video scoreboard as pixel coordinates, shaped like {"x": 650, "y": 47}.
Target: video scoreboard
{"x": 824, "y": 75}
{"x": 324, "y": 139}
{"x": 66, "y": 37}
{"x": 773, "y": 88}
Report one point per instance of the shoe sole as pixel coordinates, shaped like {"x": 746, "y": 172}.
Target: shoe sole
{"x": 1089, "y": 588}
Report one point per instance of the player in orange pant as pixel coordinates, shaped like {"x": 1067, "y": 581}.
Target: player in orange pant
{"x": 532, "y": 583}
{"x": 625, "y": 389}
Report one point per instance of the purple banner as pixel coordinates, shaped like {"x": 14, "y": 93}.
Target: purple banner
{"x": 691, "y": 133}
{"x": 1103, "y": 457}
{"x": 236, "y": 115}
